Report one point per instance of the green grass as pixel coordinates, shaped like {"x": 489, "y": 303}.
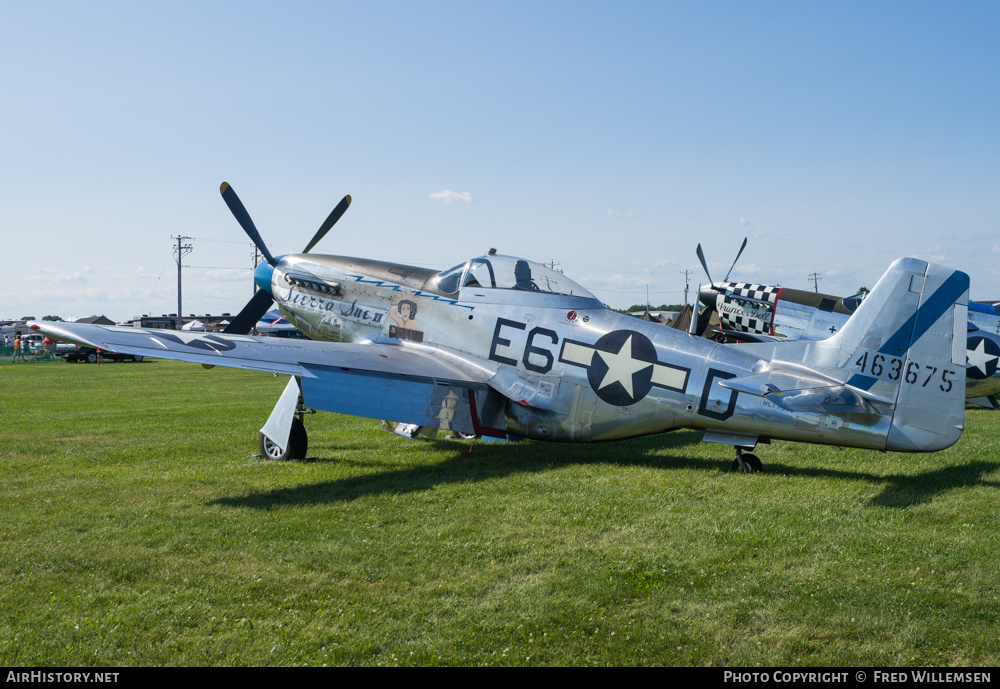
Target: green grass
{"x": 136, "y": 529}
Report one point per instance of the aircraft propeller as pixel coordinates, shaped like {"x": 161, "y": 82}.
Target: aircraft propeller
{"x": 261, "y": 301}
{"x": 701, "y": 257}
{"x": 706, "y": 313}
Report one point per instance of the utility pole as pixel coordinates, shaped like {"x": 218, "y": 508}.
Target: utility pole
{"x": 687, "y": 281}
{"x": 815, "y": 278}
{"x": 180, "y": 251}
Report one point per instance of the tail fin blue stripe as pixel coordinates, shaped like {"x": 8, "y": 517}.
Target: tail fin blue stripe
{"x": 926, "y": 316}
{"x": 939, "y": 303}
{"x": 862, "y": 382}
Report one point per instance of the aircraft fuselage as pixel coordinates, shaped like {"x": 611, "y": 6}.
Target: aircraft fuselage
{"x": 572, "y": 369}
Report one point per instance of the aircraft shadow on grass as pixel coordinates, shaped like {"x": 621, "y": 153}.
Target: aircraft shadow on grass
{"x": 496, "y": 461}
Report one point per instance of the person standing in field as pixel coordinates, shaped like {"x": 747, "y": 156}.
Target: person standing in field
{"x": 18, "y": 351}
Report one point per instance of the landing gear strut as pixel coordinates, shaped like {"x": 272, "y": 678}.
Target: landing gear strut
{"x": 746, "y": 463}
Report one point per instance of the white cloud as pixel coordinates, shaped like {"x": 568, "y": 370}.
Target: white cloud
{"x": 228, "y": 274}
{"x": 631, "y": 215}
{"x": 611, "y": 213}
{"x": 938, "y": 254}
{"x": 53, "y": 276}
{"x": 449, "y": 196}
{"x": 77, "y": 278}
{"x": 744, "y": 222}
{"x": 749, "y": 269}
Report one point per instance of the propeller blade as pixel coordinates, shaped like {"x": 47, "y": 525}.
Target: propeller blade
{"x": 701, "y": 257}
{"x": 704, "y": 318}
{"x": 243, "y": 218}
{"x": 330, "y": 221}
{"x": 739, "y": 253}
{"x": 692, "y": 326}
{"x": 251, "y": 313}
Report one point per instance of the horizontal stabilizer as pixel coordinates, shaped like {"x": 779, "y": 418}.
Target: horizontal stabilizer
{"x": 808, "y": 391}
{"x": 989, "y": 401}
{"x": 751, "y": 337}
{"x": 834, "y": 400}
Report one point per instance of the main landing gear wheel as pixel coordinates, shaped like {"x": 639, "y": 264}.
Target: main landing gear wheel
{"x": 747, "y": 463}
{"x": 298, "y": 444}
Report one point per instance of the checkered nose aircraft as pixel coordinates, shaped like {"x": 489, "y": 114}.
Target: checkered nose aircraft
{"x": 751, "y": 312}
{"x": 502, "y": 347}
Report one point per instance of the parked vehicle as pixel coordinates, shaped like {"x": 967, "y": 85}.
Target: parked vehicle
{"x": 74, "y": 353}
{"x": 33, "y": 343}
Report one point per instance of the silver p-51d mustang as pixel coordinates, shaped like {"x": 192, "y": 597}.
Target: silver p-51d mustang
{"x": 506, "y": 348}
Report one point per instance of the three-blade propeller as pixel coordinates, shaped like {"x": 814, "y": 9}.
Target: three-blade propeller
{"x": 706, "y": 313}
{"x": 701, "y": 257}
{"x": 261, "y": 302}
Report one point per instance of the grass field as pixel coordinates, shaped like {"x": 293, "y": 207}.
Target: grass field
{"x": 136, "y": 529}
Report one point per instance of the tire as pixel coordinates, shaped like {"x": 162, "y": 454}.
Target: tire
{"x": 298, "y": 444}
{"x": 137, "y": 359}
{"x": 753, "y": 464}
{"x": 92, "y": 358}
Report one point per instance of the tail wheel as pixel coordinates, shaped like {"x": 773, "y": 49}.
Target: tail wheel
{"x": 298, "y": 444}
{"x": 751, "y": 464}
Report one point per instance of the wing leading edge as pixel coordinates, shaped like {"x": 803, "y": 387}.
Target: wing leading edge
{"x": 301, "y": 358}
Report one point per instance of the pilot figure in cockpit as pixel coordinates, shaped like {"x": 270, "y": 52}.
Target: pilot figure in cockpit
{"x": 522, "y": 276}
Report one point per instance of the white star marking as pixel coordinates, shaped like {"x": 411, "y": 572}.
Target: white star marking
{"x": 979, "y": 358}
{"x": 621, "y": 367}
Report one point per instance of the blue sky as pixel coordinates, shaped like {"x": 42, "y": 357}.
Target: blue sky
{"x": 608, "y": 137}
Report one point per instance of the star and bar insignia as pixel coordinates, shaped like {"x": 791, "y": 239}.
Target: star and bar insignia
{"x": 622, "y": 367}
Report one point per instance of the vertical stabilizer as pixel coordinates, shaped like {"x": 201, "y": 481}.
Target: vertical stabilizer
{"x": 907, "y": 342}
{"x": 903, "y": 352}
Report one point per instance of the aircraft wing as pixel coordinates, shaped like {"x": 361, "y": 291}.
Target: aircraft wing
{"x": 270, "y": 354}
{"x": 402, "y": 383}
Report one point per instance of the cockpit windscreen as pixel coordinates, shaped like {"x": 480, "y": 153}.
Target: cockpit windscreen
{"x": 508, "y": 272}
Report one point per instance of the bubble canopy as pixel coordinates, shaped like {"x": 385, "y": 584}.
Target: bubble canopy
{"x": 507, "y": 272}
